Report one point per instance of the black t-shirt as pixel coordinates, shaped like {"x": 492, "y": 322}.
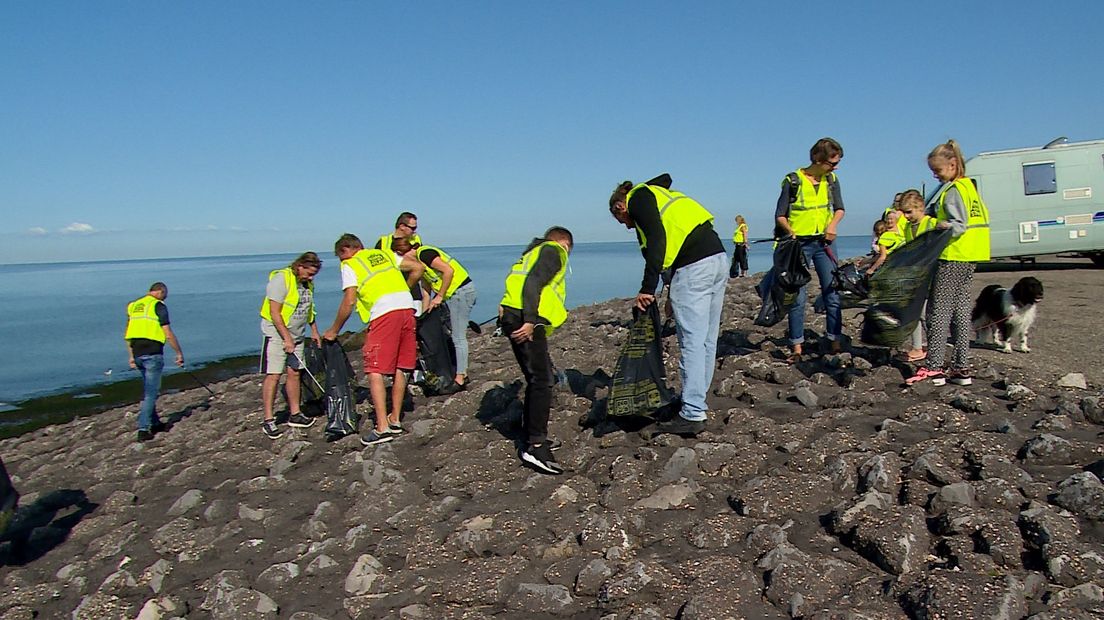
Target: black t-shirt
{"x": 145, "y": 346}
{"x": 427, "y": 256}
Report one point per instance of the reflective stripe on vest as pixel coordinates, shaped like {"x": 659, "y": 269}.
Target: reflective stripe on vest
{"x": 291, "y": 300}
{"x": 459, "y": 274}
{"x": 926, "y": 224}
{"x": 377, "y": 275}
{"x": 678, "y": 213}
{"x": 142, "y": 321}
{"x": 553, "y": 297}
{"x": 811, "y": 210}
{"x": 971, "y": 246}
{"x": 891, "y": 240}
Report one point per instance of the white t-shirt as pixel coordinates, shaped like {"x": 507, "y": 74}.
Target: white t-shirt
{"x": 386, "y": 303}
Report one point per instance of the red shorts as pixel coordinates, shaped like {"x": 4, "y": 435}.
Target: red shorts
{"x": 391, "y": 343}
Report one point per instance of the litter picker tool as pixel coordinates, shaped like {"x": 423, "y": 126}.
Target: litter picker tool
{"x": 478, "y": 327}
{"x": 303, "y": 367}
{"x": 204, "y": 385}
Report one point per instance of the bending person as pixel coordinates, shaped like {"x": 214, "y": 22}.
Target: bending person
{"x": 448, "y": 283}
{"x": 676, "y": 236}
{"x": 532, "y": 308}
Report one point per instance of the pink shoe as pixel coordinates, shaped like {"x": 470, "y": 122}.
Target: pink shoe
{"x": 937, "y": 377}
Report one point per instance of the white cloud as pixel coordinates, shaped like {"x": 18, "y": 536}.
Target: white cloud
{"x": 78, "y": 227}
{"x": 37, "y": 231}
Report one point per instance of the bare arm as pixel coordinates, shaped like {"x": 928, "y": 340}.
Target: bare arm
{"x": 170, "y": 338}
{"x": 344, "y": 309}
{"x": 447, "y": 273}
{"x": 830, "y": 230}
{"x": 274, "y": 310}
{"x": 882, "y": 254}
{"x": 413, "y": 268}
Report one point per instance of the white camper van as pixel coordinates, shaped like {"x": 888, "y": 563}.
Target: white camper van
{"x": 1044, "y": 200}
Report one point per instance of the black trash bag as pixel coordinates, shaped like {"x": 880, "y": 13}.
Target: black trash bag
{"x": 341, "y": 414}
{"x": 312, "y": 395}
{"x": 776, "y": 300}
{"x": 436, "y": 354}
{"x": 639, "y": 386}
{"x": 851, "y": 282}
{"x": 791, "y": 269}
{"x": 9, "y": 497}
{"x": 899, "y": 288}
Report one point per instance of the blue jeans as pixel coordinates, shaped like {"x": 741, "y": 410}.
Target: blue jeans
{"x": 697, "y": 295}
{"x": 816, "y": 253}
{"x": 150, "y": 366}
{"x": 460, "y": 308}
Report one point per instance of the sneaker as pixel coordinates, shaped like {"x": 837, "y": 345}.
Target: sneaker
{"x": 299, "y": 420}
{"x": 158, "y": 427}
{"x": 680, "y": 426}
{"x": 540, "y": 458}
{"x": 960, "y": 376}
{"x": 374, "y": 437}
{"x": 145, "y": 435}
{"x": 270, "y": 429}
{"x": 393, "y": 429}
{"x": 453, "y": 388}
{"x": 553, "y": 444}
{"x": 924, "y": 373}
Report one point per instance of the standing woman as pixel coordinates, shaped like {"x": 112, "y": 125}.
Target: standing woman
{"x": 739, "y": 266}
{"x": 959, "y": 208}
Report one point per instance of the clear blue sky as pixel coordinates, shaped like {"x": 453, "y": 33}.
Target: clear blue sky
{"x": 146, "y": 129}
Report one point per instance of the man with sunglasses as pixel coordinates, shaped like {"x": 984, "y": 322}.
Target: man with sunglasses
{"x": 406, "y": 227}
{"x": 810, "y": 208}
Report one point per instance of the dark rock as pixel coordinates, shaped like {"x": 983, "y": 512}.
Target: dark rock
{"x": 944, "y": 594}
{"x": 1047, "y": 449}
{"x": 1082, "y": 494}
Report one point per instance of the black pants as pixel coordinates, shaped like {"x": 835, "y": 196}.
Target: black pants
{"x": 536, "y": 365}
{"x": 739, "y": 259}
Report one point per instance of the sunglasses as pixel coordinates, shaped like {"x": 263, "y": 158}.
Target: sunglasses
{"x": 412, "y": 228}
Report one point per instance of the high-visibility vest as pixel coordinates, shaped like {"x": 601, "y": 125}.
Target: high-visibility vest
{"x": 142, "y": 321}
{"x": 553, "y": 297}
{"x": 291, "y": 300}
{"x": 385, "y": 241}
{"x": 679, "y": 214}
{"x": 971, "y": 246}
{"x": 740, "y": 234}
{"x": 926, "y": 224}
{"x": 459, "y": 274}
{"x": 377, "y": 275}
{"x": 891, "y": 240}
{"x": 811, "y": 210}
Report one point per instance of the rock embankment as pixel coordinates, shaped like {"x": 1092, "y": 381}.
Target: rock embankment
{"x": 825, "y": 490}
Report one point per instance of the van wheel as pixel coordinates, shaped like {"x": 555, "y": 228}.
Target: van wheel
{"x": 1097, "y": 258}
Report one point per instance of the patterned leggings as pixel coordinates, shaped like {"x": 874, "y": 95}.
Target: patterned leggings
{"x": 949, "y": 307}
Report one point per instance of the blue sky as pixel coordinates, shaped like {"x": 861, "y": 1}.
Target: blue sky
{"x": 153, "y": 129}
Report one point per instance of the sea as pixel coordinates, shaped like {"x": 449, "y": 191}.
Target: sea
{"x": 63, "y": 322}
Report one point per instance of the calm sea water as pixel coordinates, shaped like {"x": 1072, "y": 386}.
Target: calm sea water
{"x": 63, "y": 322}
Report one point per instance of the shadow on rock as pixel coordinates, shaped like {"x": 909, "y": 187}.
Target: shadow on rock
{"x": 37, "y": 528}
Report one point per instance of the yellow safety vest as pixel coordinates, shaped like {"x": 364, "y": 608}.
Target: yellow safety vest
{"x": 740, "y": 234}
{"x": 142, "y": 321}
{"x": 385, "y": 241}
{"x": 926, "y": 224}
{"x": 971, "y": 246}
{"x": 553, "y": 297}
{"x": 291, "y": 300}
{"x": 679, "y": 214}
{"x": 811, "y": 210}
{"x": 377, "y": 275}
{"x": 459, "y": 274}
{"x": 891, "y": 240}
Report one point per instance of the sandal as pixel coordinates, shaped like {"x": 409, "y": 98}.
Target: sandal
{"x": 793, "y": 358}
{"x": 919, "y": 357}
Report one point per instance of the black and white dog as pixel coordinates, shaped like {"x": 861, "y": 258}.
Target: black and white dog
{"x": 1002, "y": 316}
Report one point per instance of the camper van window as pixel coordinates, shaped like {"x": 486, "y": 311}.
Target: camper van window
{"x": 1039, "y": 178}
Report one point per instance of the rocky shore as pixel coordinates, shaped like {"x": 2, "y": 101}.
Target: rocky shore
{"x": 822, "y": 491}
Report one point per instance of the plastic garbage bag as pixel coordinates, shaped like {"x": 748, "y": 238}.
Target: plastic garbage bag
{"x": 341, "y": 414}
{"x": 639, "y": 386}
{"x": 436, "y": 355}
{"x": 899, "y": 289}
